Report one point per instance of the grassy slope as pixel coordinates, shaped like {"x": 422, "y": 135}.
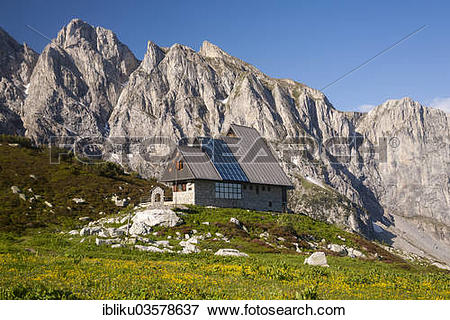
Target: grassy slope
{"x": 38, "y": 262}
{"x": 52, "y": 265}
{"x": 58, "y": 184}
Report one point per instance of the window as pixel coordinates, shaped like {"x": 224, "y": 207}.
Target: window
{"x": 268, "y": 188}
{"x": 180, "y": 165}
{"x": 228, "y": 190}
{"x": 257, "y": 189}
{"x": 270, "y": 204}
{"x": 244, "y": 187}
{"x": 250, "y": 187}
{"x": 179, "y": 187}
{"x": 263, "y": 188}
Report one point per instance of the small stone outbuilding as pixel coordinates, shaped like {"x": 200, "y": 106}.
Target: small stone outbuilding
{"x": 157, "y": 196}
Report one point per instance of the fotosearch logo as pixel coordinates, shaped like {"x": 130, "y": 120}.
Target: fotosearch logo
{"x": 159, "y": 149}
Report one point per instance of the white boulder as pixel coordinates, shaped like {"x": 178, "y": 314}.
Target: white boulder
{"x": 15, "y": 189}
{"x": 148, "y": 248}
{"x": 101, "y": 242}
{"x": 238, "y": 224}
{"x": 87, "y": 231}
{"x": 157, "y": 217}
{"x": 337, "y": 248}
{"x": 139, "y": 228}
{"x": 317, "y": 259}
{"x": 230, "y": 252}
{"x": 189, "y": 248}
{"x": 265, "y": 235}
{"x": 163, "y": 243}
{"x": 441, "y": 265}
{"x": 353, "y": 253}
{"x": 119, "y": 202}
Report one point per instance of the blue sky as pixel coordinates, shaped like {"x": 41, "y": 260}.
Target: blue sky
{"x": 313, "y": 42}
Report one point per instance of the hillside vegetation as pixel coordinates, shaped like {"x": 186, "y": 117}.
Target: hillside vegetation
{"x": 40, "y": 181}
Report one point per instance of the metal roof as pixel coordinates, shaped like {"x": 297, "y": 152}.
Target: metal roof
{"x": 244, "y": 156}
{"x": 197, "y": 166}
{"x": 255, "y": 157}
{"x": 199, "y": 163}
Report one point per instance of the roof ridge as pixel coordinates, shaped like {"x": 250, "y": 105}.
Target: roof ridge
{"x": 187, "y": 162}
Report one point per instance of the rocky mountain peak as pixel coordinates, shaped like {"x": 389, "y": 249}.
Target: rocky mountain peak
{"x": 16, "y": 65}
{"x": 76, "y": 82}
{"x": 16, "y": 61}
{"x": 152, "y": 57}
{"x": 211, "y": 50}
{"x": 74, "y": 32}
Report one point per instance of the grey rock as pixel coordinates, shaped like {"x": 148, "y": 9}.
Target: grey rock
{"x": 338, "y": 249}
{"x": 441, "y": 265}
{"x": 148, "y": 248}
{"x": 119, "y": 202}
{"x": 22, "y": 197}
{"x": 15, "y": 189}
{"x": 142, "y": 221}
{"x": 125, "y": 219}
{"x": 118, "y": 245}
{"x": 317, "y": 259}
{"x": 79, "y": 200}
{"x": 354, "y": 253}
{"x": 144, "y": 240}
{"x": 101, "y": 242}
{"x": 87, "y": 231}
{"x": 162, "y": 243}
{"x": 139, "y": 228}
{"x": 238, "y": 224}
{"x": 265, "y": 235}
{"x": 189, "y": 248}
{"x": 230, "y": 252}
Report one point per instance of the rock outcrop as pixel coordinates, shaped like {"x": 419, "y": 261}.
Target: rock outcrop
{"x": 317, "y": 259}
